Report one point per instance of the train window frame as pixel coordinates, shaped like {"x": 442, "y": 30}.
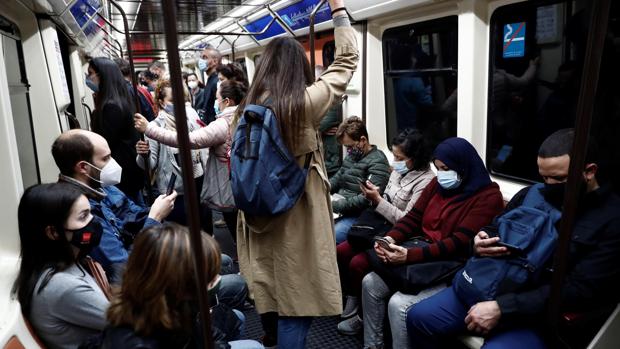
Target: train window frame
{"x": 521, "y": 168}
{"x": 448, "y": 72}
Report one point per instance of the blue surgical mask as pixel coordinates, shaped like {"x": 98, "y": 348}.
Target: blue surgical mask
{"x": 202, "y": 64}
{"x": 400, "y": 167}
{"x": 169, "y": 108}
{"x": 91, "y": 84}
{"x": 216, "y": 107}
{"x": 448, "y": 179}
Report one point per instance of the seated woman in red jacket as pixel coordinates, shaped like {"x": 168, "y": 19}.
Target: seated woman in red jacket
{"x": 451, "y": 210}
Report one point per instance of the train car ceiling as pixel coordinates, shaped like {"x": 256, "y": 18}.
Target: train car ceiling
{"x": 96, "y": 25}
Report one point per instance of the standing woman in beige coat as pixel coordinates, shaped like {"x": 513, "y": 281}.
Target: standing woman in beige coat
{"x": 289, "y": 260}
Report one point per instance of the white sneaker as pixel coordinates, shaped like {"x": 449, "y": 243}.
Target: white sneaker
{"x": 352, "y": 326}
{"x": 350, "y": 307}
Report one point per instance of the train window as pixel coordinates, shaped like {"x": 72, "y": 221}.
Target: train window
{"x": 420, "y": 69}
{"x": 20, "y": 102}
{"x": 535, "y": 65}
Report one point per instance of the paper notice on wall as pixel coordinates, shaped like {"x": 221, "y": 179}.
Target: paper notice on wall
{"x": 547, "y": 24}
{"x": 61, "y": 70}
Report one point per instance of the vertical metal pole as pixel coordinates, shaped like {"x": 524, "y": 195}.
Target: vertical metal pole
{"x": 311, "y": 34}
{"x": 585, "y": 108}
{"x": 232, "y": 47}
{"x": 189, "y": 186}
{"x": 134, "y": 84}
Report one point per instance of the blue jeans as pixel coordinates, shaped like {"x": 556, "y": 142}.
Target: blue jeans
{"x": 233, "y": 291}
{"x": 342, "y": 226}
{"x": 443, "y": 316}
{"x": 226, "y": 265}
{"x": 292, "y": 331}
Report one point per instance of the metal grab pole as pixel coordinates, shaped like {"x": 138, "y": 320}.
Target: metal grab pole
{"x": 189, "y": 186}
{"x": 311, "y": 34}
{"x": 134, "y": 84}
{"x": 585, "y": 108}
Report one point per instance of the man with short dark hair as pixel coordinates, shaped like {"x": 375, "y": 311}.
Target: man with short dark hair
{"x": 364, "y": 163}
{"x": 513, "y": 318}
{"x": 84, "y": 160}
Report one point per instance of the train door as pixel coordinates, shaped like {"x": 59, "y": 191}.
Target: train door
{"x": 20, "y": 102}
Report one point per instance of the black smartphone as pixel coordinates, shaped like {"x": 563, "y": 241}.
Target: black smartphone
{"x": 511, "y": 248}
{"x": 171, "y": 182}
{"x": 384, "y": 243}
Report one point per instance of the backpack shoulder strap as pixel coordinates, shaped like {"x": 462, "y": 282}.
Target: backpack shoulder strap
{"x": 97, "y": 272}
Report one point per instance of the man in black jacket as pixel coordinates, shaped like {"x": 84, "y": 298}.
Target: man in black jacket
{"x": 206, "y": 109}
{"x": 591, "y": 285}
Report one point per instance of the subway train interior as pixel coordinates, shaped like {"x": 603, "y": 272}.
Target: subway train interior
{"x": 502, "y": 74}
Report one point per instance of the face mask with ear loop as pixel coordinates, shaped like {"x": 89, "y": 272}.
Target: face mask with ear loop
{"x": 109, "y": 175}
{"x": 202, "y": 64}
{"x": 400, "y": 167}
{"x": 448, "y": 179}
{"x": 91, "y": 84}
{"x": 87, "y": 237}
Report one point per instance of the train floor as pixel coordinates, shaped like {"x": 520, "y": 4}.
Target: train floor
{"x": 323, "y": 333}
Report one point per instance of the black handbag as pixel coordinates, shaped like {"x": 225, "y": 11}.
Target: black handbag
{"x": 368, "y": 225}
{"x": 413, "y": 278}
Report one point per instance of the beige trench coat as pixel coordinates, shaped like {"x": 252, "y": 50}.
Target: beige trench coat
{"x": 289, "y": 260}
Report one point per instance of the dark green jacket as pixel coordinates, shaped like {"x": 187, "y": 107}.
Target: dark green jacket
{"x": 331, "y": 148}
{"x": 346, "y": 181}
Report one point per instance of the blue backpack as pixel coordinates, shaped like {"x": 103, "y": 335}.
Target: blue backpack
{"x": 265, "y": 178}
{"x": 531, "y": 228}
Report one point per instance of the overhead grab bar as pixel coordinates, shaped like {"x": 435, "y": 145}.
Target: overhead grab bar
{"x": 263, "y": 31}
{"x": 282, "y": 23}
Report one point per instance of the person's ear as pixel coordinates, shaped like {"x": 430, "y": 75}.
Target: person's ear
{"x": 81, "y": 167}
{"x": 589, "y": 173}
{"x": 51, "y": 233}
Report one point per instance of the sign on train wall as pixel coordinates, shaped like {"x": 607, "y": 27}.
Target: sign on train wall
{"x": 297, "y": 16}
{"x": 514, "y": 40}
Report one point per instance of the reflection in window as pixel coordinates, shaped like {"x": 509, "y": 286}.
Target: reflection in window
{"x": 420, "y": 63}
{"x": 535, "y": 71}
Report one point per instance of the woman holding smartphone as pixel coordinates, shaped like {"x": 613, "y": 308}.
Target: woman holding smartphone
{"x": 451, "y": 209}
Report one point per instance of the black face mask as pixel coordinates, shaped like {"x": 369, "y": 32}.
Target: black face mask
{"x": 554, "y": 193}
{"x": 87, "y": 238}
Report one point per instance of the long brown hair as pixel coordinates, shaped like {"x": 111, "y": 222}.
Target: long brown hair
{"x": 282, "y": 76}
{"x": 160, "y": 280}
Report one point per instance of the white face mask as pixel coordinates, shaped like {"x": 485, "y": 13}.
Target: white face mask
{"x": 110, "y": 174}
{"x": 192, "y": 84}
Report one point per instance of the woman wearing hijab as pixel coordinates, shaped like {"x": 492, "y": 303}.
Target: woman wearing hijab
{"x": 452, "y": 209}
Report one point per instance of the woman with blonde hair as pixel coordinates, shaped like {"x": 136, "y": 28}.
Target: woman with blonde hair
{"x": 157, "y": 306}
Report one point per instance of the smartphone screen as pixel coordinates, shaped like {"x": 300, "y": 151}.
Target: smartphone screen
{"x": 384, "y": 243}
